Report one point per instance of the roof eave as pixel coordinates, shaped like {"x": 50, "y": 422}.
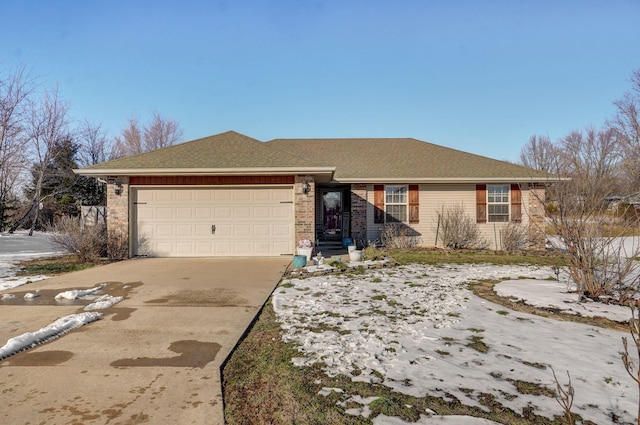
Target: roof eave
{"x": 406, "y": 180}
{"x": 251, "y": 171}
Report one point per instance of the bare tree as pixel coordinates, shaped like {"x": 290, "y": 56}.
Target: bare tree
{"x": 94, "y": 144}
{"x": 540, "y": 153}
{"x": 47, "y": 127}
{"x": 629, "y": 365}
{"x": 591, "y": 158}
{"x": 130, "y": 141}
{"x": 591, "y": 234}
{"x": 626, "y": 126}
{"x": 15, "y": 90}
{"x": 161, "y": 132}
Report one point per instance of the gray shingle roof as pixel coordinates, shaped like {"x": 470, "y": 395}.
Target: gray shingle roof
{"x": 402, "y": 158}
{"x": 353, "y": 159}
{"x": 221, "y": 151}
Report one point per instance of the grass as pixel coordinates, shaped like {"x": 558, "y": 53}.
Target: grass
{"x": 425, "y": 256}
{"x": 54, "y": 266}
{"x": 261, "y": 384}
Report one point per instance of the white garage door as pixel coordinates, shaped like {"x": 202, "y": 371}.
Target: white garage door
{"x": 206, "y": 222}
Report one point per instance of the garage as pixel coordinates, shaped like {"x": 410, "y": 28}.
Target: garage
{"x": 212, "y": 221}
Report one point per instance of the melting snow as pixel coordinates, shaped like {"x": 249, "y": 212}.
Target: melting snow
{"x": 412, "y": 329}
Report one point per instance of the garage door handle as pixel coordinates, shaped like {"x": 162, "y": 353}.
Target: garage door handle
{"x": 213, "y": 229}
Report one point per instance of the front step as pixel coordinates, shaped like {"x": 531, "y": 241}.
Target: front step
{"x": 329, "y": 245}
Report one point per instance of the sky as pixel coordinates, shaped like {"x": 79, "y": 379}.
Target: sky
{"x": 478, "y": 76}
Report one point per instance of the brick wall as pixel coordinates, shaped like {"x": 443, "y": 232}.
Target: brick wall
{"x": 359, "y": 213}
{"x": 118, "y": 207}
{"x": 537, "y": 213}
{"x": 304, "y": 209}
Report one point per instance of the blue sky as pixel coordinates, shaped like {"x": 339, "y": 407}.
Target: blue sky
{"x": 479, "y": 76}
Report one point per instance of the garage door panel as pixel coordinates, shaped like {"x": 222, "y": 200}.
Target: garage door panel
{"x": 223, "y": 248}
{"x": 262, "y": 230}
{"x": 242, "y": 230}
{"x": 203, "y": 212}
{"x": 164, "y": 230}
{"x": 184, "y": 213}
{"x": 222, "y": 195}
{"x": 281, "y": 195}
{"x": 223, "y": 230}
{"x": 202, "y": 230}
{"x": 164, "y": 196}
{"x": 163, "y": 213}
{"x": 145, "y": 212}
{"x": 241, "y": 212}
{"x": 184, "y": 195}
{"x": 184, "y": 230}
{"x": 184, "y": 249}
{"x": 281, "y": 212}
{"x": 242, "y": 195}
{"x": 280, "y": 230}
{"x": 223, "y": 213}
{"x": 204, "y": 248}
{"x": 248, "y": 221}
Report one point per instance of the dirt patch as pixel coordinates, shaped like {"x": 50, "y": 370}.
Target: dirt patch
{"x": 191, "y": 354}
{"x": 485, "y": 290}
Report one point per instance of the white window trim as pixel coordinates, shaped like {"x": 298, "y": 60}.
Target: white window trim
{"x": 507, "y": 203}
{"x": 405, "y": 203}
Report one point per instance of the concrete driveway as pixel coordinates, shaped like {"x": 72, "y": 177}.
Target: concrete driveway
{"x": 153, "y": 358}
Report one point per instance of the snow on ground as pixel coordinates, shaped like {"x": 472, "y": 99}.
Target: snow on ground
{"x": 412, "y": 329}
{"x": 557, "y": 295}
{"x": 17, "y": 247}
{"x": 55, "y": 330}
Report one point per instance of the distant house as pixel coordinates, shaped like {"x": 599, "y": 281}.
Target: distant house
{"x": 231, "y": 195}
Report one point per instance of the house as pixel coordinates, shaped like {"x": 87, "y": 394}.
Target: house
{"x": 231, "y": 195}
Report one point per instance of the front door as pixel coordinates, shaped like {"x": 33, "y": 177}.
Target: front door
{"x": 332, "y": 214}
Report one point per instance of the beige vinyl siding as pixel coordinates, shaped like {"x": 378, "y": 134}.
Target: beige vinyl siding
{"x": 432, "y": 198}
{"x": 373, "y": 228}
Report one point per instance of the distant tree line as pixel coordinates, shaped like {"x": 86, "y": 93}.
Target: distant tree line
{"x": 40, "y": 145}
{"x": 606, "y": 158}
{"x": 592, "y": 202}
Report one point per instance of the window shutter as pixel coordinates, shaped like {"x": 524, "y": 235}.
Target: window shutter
{"x": 481, "y": 203}
{"x": 414, "y": 203}
{"x": 516, "y": 203}
{"x": 378, "y": 203}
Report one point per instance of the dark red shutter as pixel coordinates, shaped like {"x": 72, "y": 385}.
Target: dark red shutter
{"x": 481, "y": 203}
{"x": 414, "y": 203}
{"x": 378, "y": 203}
{"x": 516, "y": 203}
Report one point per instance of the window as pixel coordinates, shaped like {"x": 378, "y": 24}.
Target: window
{"x": 498, "y": 203}
{"x": 395, "y": 203}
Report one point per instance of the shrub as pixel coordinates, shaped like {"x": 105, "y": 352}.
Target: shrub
{"x": 457, "y": 229}
{"x": 88, "y": 243}
{"x": 371, "y": 252}
{"x": 515, "y": 237}
{"x": 398, "y": 236}
{"x": 117, "y": 245}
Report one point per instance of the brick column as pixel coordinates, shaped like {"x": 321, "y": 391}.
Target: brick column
{"x": 118, "y": 207}
{"x": 305, "y": 209}
{"x": 359, "y": 213}
{"x": 537, "y": 213}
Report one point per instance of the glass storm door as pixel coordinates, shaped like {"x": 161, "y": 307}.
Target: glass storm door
{"x": 332, "y": 214}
